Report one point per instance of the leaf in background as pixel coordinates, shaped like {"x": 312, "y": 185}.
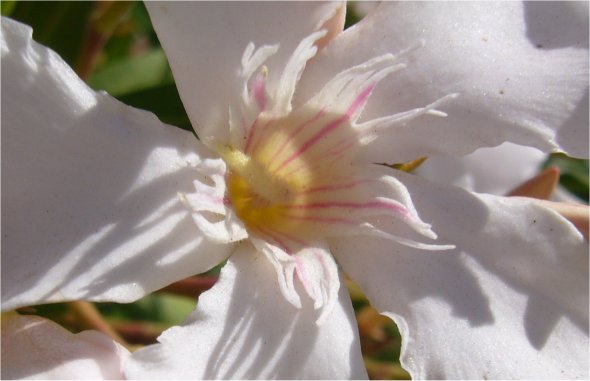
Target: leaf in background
{"x": 574, "y": 174}
{"x": 59, "y": 25}
{"x": 352, "y": 17}
{"x": 161, "y": 308}
{"x": 7, "y": 6}
{"x": 134, "y": 36}
{"x": 133, "y": 74}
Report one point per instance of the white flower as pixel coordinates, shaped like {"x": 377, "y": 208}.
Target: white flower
{"x": 37, "y": 348}
{"x": 495, "y": 170}
{"x": 103, "y": 202}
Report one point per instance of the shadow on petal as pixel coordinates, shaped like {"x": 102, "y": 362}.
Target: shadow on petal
{"x": 266, "y": 333}
{"x": 555, "y": 25}
{"x": 89, "y": 193}
{"x": 530, "y": 249}
{"x": 244, "y": 328}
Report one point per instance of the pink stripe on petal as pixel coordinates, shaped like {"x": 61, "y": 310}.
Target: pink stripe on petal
{"x": 328, "y": 220}
{"x": 287, "y": 236}
{"x": 279, "y": 241}
{"x": 320, "y": 162}
{"x": 353, "y": 205}
{"x": 261, "y": 130}
{"x": 329, "y": 188}
{"x": 299, "y": 129}
{"x": 341, "y": 147}
{"x": 359, "y": 101}
{"x": 302, "y": 274}
{"x": 314, "y": 139}
{"x": 251, "y": 132}
{"x": 260, "y": 92}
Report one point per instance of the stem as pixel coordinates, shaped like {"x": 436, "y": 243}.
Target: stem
{"x": 91, "y": 318}
{"x": 139, "y": 333}
{"x": 88, "y": 57}
{"x": 103, "y": 23}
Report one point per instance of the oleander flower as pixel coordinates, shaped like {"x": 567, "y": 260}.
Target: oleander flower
{"x": 34, "y": 347}
{"x": 103, "y": 202}
{"x": 496, "y": 170}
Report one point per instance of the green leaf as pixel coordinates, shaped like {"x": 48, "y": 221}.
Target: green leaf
{"x": 574, "y": 174}
{"x": 134, "y": 35}
{"x": 174, "y": 309}
{"x": 133, "y": 74}
{"x": 7, "y": 7}
{"x": 61, "y": 25}
{"x": 160, "y": 308}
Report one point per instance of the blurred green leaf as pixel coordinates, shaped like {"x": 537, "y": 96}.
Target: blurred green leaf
{"x": 352, "y": 17}
{"x": 51, "y": 311}
{"x": 134, "y": 36}
{"x": 174, "y": 309}
{"x": 574, "y": 174}
{"x": 110, "y": 15}
{"x": 61, "y": 25}
{"x": 140, "y": 16}
{"x": 7, "y": 6}
{"x": 133, "y": 74}
{"x": 161, "y": 308}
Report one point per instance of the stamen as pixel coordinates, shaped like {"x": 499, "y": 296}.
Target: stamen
{"x": 370, "y": 130}
{"x": 251, "y": 62}
{"x": 371, "y": 230}
{"x": 288, "y": 179}
{"x": 293, "y": 70}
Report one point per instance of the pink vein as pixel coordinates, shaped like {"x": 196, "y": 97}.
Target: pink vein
{"x": 251, "y": 135}
{"x": 352, "y": 205}
{"x": 262, "y": 130}
{"x": 279, "y": 241}
{"x": 302, "y": 274}
{"x": 329, "y": 220}
{"x": 259, "y": 92}
{"x": 360, "y": 100}
{"x": 334, "y": 154}
{"x": 300, "y": 128}
{"x": 287, "y": 236}
{"x": 328, "y": 188}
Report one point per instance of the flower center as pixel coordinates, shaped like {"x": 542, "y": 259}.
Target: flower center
{"x": 289, "y": 173}
{"x": 269, "y": 179}
{"x": 258, "y": 197}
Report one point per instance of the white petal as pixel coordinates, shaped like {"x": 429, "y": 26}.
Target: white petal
{"x": 512, "y": 86}
{"x": 205, "y": 41}
{"x": 495, "y": 170}
{"x": 310, "y": 263}
{"x": 89, "y": 188}
{"x": 244, "y": 328}
{"x": 510, "y": 302}
{"x": 37, "y": 348}
{"x": 220, "y": 224}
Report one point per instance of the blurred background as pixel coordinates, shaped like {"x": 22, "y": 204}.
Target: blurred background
{"x": 113, "y": 47}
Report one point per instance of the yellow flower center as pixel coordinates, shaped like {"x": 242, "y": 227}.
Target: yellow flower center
{"x": 261, "y": 193}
